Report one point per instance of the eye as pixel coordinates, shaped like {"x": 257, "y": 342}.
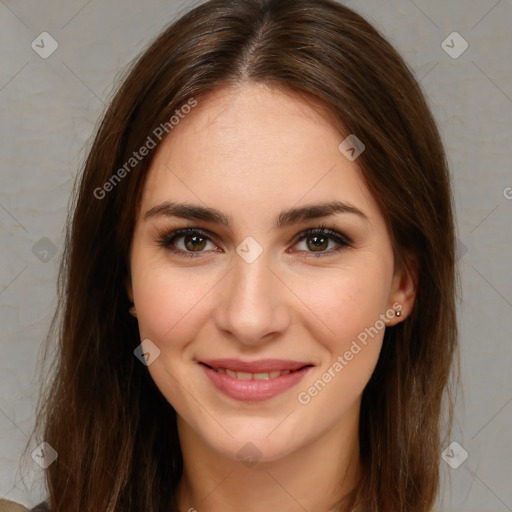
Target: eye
{"x": 194, "y": 241}
{"x": 318, "y": 239}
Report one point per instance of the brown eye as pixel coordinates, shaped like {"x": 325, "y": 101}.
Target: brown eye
{"x": 194, "y": 242}
{"x": 317, "y": 240}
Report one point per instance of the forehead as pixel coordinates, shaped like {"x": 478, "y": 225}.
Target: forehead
{"x": 254, "y": 149}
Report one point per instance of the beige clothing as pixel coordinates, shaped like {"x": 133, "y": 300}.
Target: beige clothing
{"x": 11, "y": 506}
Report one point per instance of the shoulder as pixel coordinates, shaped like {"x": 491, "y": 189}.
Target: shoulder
{"x": 11, "y": 506}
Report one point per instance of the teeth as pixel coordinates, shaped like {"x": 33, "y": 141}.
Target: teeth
{"x": 249, "y": 376}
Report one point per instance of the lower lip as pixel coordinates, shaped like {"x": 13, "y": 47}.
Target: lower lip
{"x": 254, "y": 390}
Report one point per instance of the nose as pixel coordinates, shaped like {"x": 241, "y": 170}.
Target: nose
{"x": 253, "y": 306}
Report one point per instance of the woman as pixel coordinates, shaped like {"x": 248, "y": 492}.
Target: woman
{"x": 207, "y": 360}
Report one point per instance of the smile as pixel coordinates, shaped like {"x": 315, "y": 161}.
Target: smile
{"x": 254, "y": 386}
{"x": 249, "y": 376}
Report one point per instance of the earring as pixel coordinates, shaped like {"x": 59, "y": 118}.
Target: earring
{"x": 132, "y": 310}
{"x": 398, "y": 313}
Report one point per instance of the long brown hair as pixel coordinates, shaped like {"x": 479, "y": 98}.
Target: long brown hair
{"x": 114, "y": 432}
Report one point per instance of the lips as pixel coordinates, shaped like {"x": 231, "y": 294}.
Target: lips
{"x": 256, "y": 380}
{"x": 254, "y": 389}
{"x": 249, "y": 376}
{"x": 255, "y": 367}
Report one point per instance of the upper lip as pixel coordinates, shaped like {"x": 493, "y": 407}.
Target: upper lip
{"x": 260, "y": 366}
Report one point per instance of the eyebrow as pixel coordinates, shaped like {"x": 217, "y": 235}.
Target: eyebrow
{"x": 285, "y": 218}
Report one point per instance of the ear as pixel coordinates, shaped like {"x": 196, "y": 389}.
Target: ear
{"x": 128, "y": 287}
{"x": 404, "y": 288}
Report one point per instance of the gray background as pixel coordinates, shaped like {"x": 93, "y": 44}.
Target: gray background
{"x": 49, "y": 110}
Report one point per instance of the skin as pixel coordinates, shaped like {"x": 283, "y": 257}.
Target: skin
{"x": 251, "y": 151}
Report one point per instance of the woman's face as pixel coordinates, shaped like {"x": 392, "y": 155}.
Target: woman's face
{"x": 254, "y": 288}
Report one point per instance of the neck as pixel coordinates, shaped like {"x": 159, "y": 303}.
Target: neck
{"x": 318, "y": 476}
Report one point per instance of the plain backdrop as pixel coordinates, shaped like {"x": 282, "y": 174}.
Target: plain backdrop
{"x": 50, "y": 107}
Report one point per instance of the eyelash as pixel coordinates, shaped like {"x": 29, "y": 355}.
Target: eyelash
{"x": 166, "y": 238}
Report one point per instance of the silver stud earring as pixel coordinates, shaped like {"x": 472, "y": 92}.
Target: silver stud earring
{"x": 398, "y": 313}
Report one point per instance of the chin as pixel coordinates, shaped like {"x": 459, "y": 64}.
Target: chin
{"x": 251, "y": 446}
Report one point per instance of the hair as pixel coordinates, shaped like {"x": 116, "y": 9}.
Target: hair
{"x": 114, "y": 432}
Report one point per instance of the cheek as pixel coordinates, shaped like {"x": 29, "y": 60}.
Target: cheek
{"x": 348, "y": 301}
{"x": 166, "y": 301}
{"x": 349, "y": 305}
